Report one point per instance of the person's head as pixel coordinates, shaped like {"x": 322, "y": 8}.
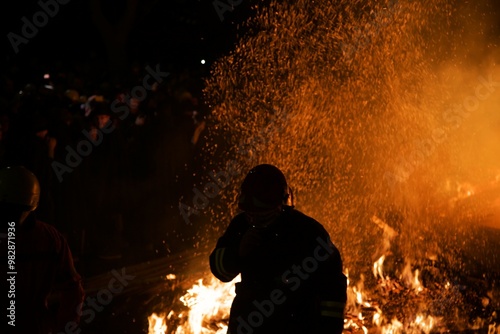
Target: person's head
{"x": 264, "y": 192}
{"x": 103, "y": 120}
{"x": 102, "y": 114}
{"x": 72, "y": 96}
{"x": 19, "y": 193}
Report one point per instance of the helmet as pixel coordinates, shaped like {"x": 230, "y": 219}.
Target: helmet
{"x": 19, "y": 186}
{"x": 263, "y": 188}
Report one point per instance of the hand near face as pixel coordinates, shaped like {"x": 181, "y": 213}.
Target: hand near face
{"x": 250, "y": 242}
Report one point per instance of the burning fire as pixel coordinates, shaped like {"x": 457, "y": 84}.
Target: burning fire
{"x": 414, "y": 298}
{"x": 360, "y": 307}
{"x": 157, "y": 324}
{"x": 392, "y": 302}
{"x": 207, "y": 305}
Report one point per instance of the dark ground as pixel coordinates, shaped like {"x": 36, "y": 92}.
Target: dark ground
{"x": 146, "y": 288}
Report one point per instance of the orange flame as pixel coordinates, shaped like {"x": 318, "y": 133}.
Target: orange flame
{"x": 157, "y": 324}
{"x": 208, "y": 310}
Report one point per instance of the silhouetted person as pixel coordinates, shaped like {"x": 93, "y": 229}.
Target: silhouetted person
{"x": 29, "y": 144}
{"x": 291, "y": 273}
{"x": 40, "y": 262}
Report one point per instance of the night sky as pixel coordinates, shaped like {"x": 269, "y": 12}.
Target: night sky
{"x": 178, "y": 32}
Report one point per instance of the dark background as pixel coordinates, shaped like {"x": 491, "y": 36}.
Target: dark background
{"x": 177, "y": 32}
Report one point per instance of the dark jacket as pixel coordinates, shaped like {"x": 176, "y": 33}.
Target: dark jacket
{"x": 293, "y": 282}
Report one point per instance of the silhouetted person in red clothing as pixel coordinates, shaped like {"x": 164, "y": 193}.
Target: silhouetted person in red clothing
{"x": 39, "y": 259}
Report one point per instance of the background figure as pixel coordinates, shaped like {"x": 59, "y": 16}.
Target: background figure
{"x": 30, "y": 144}
{"x": 105, "y": 172}
{"x": 42, "y": 261}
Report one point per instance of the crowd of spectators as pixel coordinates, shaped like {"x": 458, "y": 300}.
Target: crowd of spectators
{"x": 109, "y": 181}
